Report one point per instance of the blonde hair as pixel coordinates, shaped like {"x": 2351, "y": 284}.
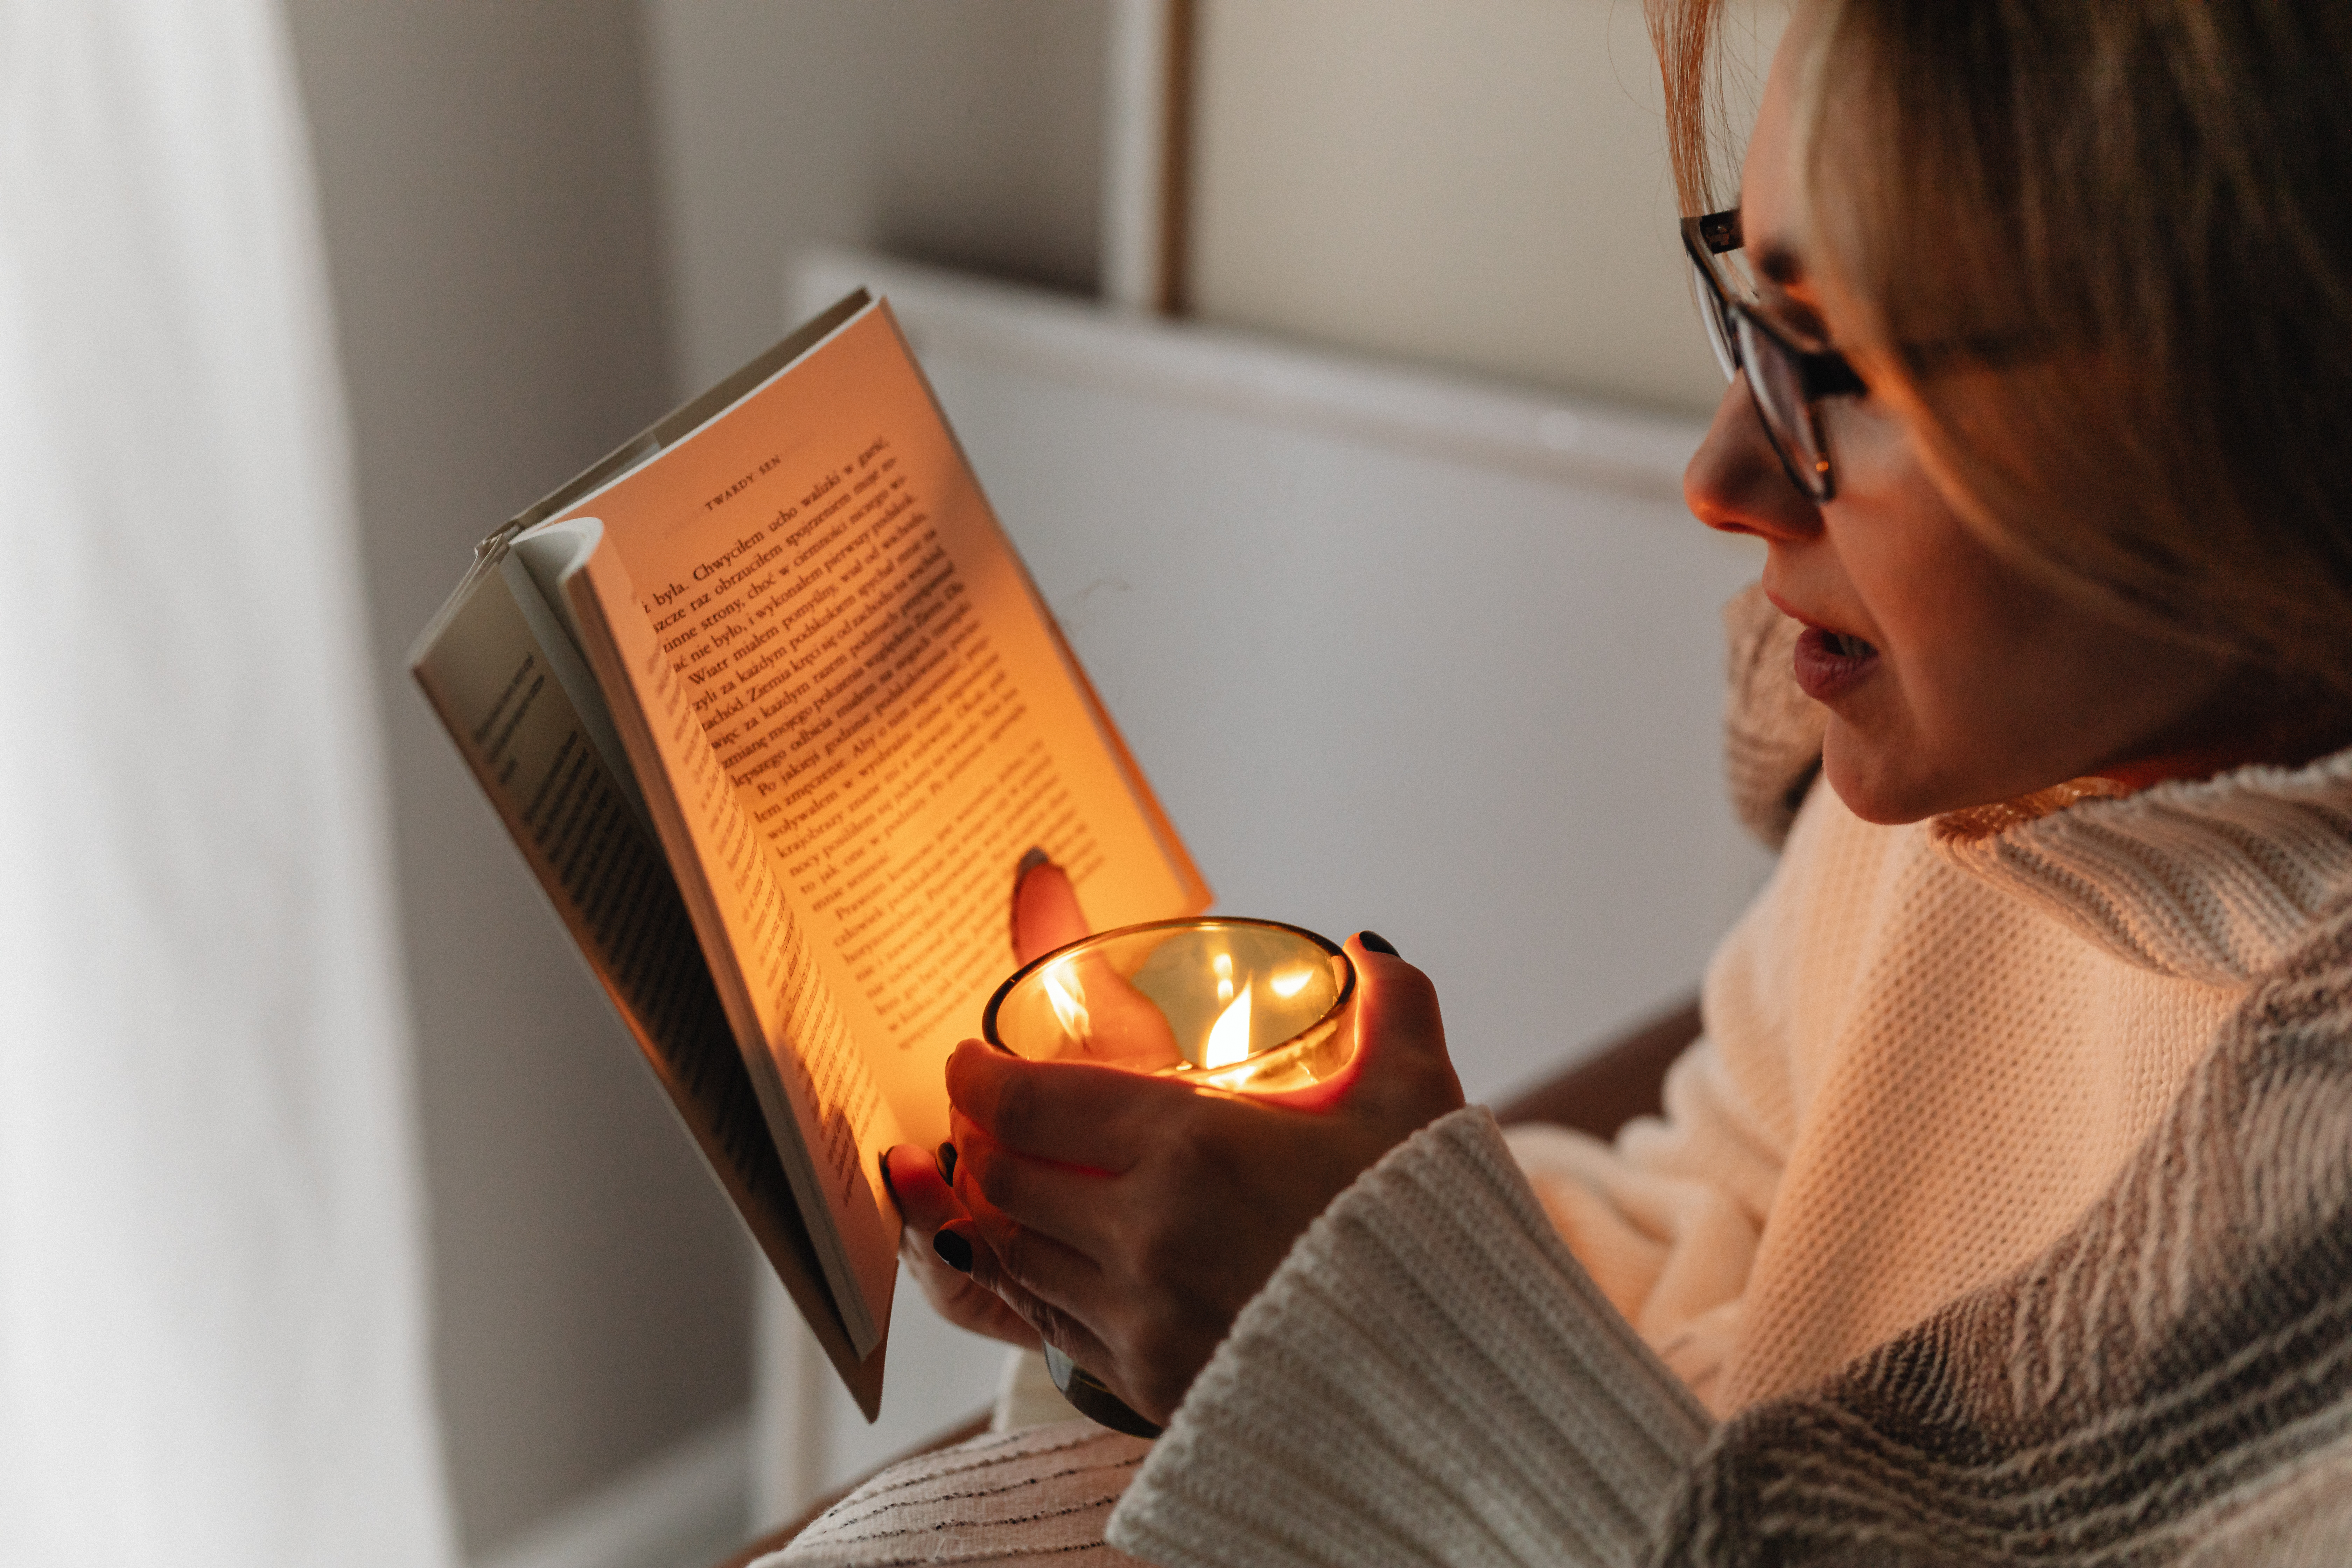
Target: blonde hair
{"x": 2125, "y": 219}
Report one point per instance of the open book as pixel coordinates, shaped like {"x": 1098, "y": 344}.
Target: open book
{"x": 773, "y": 710}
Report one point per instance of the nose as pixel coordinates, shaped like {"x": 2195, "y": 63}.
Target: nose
{"x": 1737, "y": 482}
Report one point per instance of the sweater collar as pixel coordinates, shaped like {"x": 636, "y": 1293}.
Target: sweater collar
{"x": 2212, "y": 880}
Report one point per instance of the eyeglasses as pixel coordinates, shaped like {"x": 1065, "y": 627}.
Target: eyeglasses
{"x": 1787, "y": 379}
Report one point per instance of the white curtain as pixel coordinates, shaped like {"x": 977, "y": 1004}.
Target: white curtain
{"x": 212, "y": 1333}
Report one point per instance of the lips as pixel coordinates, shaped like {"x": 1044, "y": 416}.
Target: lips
{"x": 1829, "y": 664}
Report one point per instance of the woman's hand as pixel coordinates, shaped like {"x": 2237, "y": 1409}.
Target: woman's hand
{"x": 926, "y": 1205}
{"x": 1127, "y": 1219}
{"x": 1045, "y": 915}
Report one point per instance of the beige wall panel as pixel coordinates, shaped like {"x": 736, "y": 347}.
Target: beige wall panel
{"x": 1474, "y": 183}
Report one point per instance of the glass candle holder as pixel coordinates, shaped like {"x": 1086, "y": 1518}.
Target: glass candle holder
{"x": 1246, "y": 1006}
{"x": 1252, "y": 1006}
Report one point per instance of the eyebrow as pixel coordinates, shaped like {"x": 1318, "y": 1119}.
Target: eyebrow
{"x": 1778, "y": 265}
{"x": 1776, "y": 261}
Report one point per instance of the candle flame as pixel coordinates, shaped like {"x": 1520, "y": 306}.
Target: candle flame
{"x": 1289, "y": 983}
{"x": 1229, "y": 1037}
{"x": 1069, "y": 1004}
{"x": 1224, "y": 964}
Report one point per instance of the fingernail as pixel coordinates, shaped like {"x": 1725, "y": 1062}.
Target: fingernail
{"x": 1378, "y": 943}
{"x": 947, "y": 1163}
{"x": 953, "y": 1250}
{"x": 1036, "y": 859}
{"x": 889, "y": 1185}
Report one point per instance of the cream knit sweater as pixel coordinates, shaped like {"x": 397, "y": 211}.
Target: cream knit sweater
{"x": 1925, "y": 1053}
{"x": 2075, "y": 1088}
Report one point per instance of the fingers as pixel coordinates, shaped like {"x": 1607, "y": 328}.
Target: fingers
{"x": 1041, "y": 1265}
{"x": 1062, "y": 1327}
{"x": 1400, "y": 1068}
{"x": 1401, "y": 1071}
{"x": 960, "y": 1300}
{"x": 1072, "y": 1113}
{"x": 1045, "y": 913}
{"x": 1011, "y": 1282}
{"x": 932, "y": 1211}
{"x": 1396, "y": 1005}
{"x": 926, "y": 1202}
{"x": 1036, "y": 1234}
{"x": 966, "y": 1255}
{"x": 1065, "y": 1334}
{"x": 1069, "y": 1204}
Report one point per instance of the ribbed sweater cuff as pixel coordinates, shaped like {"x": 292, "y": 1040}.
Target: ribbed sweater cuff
{"x": 1430, "y": 1377}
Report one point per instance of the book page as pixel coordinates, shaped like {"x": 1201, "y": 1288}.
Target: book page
{"x": 497, "y": 676}
{"x": 829, "y": 1121}
{"x": 882, "y": 687}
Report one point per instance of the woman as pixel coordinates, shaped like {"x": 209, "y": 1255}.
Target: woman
{"x": 2002, "y": 1211}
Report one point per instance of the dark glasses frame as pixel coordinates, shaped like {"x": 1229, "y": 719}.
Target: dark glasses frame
{"x": 1786, "y": 378}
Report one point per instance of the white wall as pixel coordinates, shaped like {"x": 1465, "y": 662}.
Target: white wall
{"x": 1478, "y": 184}
{"x": 488, "y": 187}
{"x": 961, "y": 131}
{"x": 1475, "y": 184}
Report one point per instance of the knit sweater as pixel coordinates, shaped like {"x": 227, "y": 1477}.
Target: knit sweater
{"x": 2142, "y": 1349}
{"x": 1925, "y": 1053}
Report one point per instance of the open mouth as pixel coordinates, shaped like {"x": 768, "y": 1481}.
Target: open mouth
{"x": 1829, "y": 663}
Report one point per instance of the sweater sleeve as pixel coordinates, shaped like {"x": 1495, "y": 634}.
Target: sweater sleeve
{"x": 1429, "y": 1378}
{"x": 1667, "y": 1217}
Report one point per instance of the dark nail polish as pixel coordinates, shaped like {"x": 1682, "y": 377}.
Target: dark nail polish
{"x": 1378, "y": 943}
{"x": 889, "y": 1185}
{"x": 947, "y": 1164}
{"x": 1030, "y": 862}
{"x": 953, "y": 1250}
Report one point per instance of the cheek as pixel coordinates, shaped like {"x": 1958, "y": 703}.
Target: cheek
{"x": 1954, "y": 613}
{"x": 1964, "y": 638}
{"x": 1960, "y": 640}
{"x": 1996, "y": 686}
{"x": 1919, "y": 575}
{"x": 1946, "y": 620}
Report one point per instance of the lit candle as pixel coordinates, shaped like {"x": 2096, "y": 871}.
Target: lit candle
{"x": 1248, "y": 1006}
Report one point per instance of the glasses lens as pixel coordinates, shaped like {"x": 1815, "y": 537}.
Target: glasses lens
{"x": 1779, "y": 392}
{"x": 1712, "y": 312}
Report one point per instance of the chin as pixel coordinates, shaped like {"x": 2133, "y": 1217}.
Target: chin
{"x": 1875, "y": 784}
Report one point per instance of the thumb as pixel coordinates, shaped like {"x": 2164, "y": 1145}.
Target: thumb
{"x": 1045, "y": 913}
{"x": 1396, "y": 1005}
{"x": 1399, "y": 1060}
